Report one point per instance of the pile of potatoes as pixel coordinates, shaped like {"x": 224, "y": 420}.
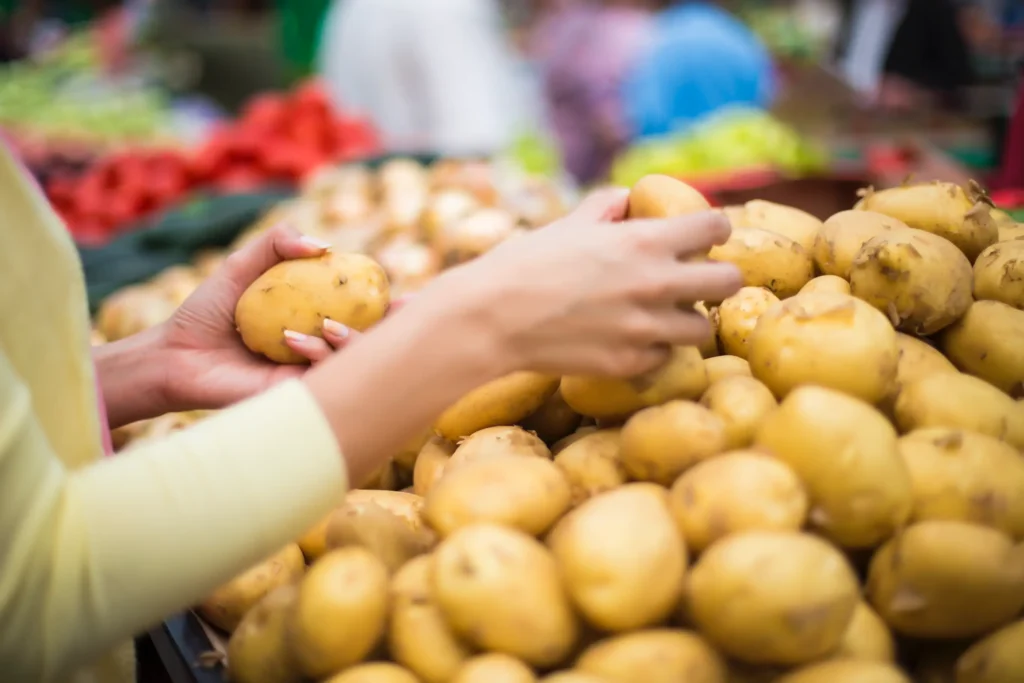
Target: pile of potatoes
{"x": 828, "y": 490}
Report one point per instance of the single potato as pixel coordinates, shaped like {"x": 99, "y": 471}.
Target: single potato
{"x": 997, "y": 658}
{"x": 229, "y": 603}
{"x": 720, "y": 367}
{"x": 299, "y": 295}
{"x": 999, "y": 274}
{"x": 588, "y": 426}
{"x": 389, "y": 536}
{"x": 827, "y": 283}
{"x": 773, "y": 597}
{"x": 592, "y": 464}
{"x": 843, "y": 235}
{"x": 430, "y": 464}
{"x": 734, "y": 492}
{"x": 846, "y": 671}
{"x": 572, "y": 677}
{"x": 660, "y": 443}
{"x": 495, "y": 442}
{"x": 408, "y": 506}
{"x": 662, "y": 196}
{"x": 767, "y": 259}
{"x": 986, "y": 343}
{"x": 845, "y": 453}
{"x": 503, "y": 401}
{"x": 653, "y": 656}
{"x": 797, "y": 225}
{"x": 258, "y": 650}
{"x": 866, "y": 638}
{"x": 742, "y": 404}
{"x": 945, "y": 579}
{"x": 918, "y": 359}
{"x": 553, "y": 421}
{"x": 494, "y": 668}
{"x": 737, "y": 316}
{"x": 374, "y": 672}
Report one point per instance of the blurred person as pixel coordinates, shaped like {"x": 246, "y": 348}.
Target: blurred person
{"x": 435, "y": 76}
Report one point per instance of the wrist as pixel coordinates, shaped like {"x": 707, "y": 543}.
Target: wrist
{"x": 133, "y": 377}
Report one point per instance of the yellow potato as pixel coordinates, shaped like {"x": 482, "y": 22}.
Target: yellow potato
{"x": 133, "y": 309}
{"x": 999, "y": 274}
{"x": 229, "y": 603}
{"x": 831, "y": 340}
{"x": 408, "y": 506}
{"x": 987, "y": 343}
{"x": 767, "y": 259}
{"x": 720, "y": 367}
{"x": 957, "y": 214}
{"x": 708, "y": 349}
{"x": 529, "y": 494}
{"x": 430, "y": 464}
{"x": 846, "y": 671}
{"x": 258, "y": 650}
{"x": 662, "y": 196}
{"x": 867, "y": 637}
{"x": 997, "y": 658}
{"x": 389, "y": 536}
{"x": 653, "y": 656}
{"x": 553, "y": 421}
{"x": 622, "y": 558}
{"x": 475, "y": 234}
{"x": 443, "y": 209}
{"x": 494, "y": 442}
{"x": 494, "y": 668}
{"x": 501, "y": 590}
{"x": 919, "y": 280}
{"x": 503, "y": 401}
{"x": 860, "y": 494}
{"x": 660, "y": 443}
{"x": 418, "y": 637}
{"x": 773, "y": 597}
{"x": 738, "y": 491}
{"x": 737, "y": 316}
{"x": 313, "y": 543}
{"x": 943, "y": 579}
{"x": 591, "y": 464}
{"x": 918, "y": 359}
{"x": 1011, "y": 231}
{"x": 960, "y": 401}
{"x": 843, "y": 235}
{"x": 572, "y": 677}
{"x": 341, "y": 611}
{"x": 584, "y": 429}
{"x": 298, "y": 295}
{"x": 375, "y": 672}
{"x": 827, "y": 283}
{"x": 683, "y": 377}
{"x": 742, "y": 404}
{"x": 797, "y": 225}
{"x": 960, "y": 475}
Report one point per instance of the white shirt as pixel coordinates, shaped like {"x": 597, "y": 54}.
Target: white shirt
{"x": 874, "y": 24}
{"x": 433, "y": 75}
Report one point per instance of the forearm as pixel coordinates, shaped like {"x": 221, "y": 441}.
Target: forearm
{"x": 132, "y": 375}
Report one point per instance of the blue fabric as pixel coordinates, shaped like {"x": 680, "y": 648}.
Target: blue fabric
{"x": 701, "y": 58}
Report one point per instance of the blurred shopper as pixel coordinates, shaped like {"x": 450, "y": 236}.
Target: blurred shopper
{"x": 701, "y": 59}
{"x": 437, "y": 76}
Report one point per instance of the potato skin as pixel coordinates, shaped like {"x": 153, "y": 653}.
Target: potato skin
{"x": 767, "y": 259}
{"x": 734, "y": 492}
{"x": 662, "y": 196}
{"x": 867, "y": 637}
{"x": 257, "y": 650}
{"x": 858, "y": 499}
{"x": 592, "y": 465}
{"x": 919, "y": 359}
{"x": 997, "y": 658}
{"x": 846, "y": 671}
{"x": 772, "y": 597}
{"x": 503, "y": 401}
{"x": 386, "y": 534}
{"x": 408, "y": 506}
{"x": 622, "y": 558}
{"x": 843, "y": 235}
{"x": 653, "y": 656}
{"x": 298, "y": 295}
{"x": 430, "y": 464}
{"x": 919, "y": 280}
{"x": 554, "y": 420}
{"x": 986, "y": 343}
{"x": 827, "y": 283}
{"x": 737, "y": 316}
{"x": 494, "y": 442}
{"x": 742, "y": 404}
{"x": 831, "y": 340}
{"x": 494, "y": 668}
{"x": 374, "y": 672}
{"x": 476, "y": 572}
{"x": 720, "y": 367}
{"x": 999, "y": 274}
{"x": 945, "y": 579}
{"x": 226, "y": 606}
{"x": 797, "y": 225}
{"x": 660, "y": 443}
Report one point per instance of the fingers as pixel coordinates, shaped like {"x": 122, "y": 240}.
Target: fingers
{"x": 280, "y": 243}
{"x": 606, "y": 204}
{"x": 316, "y": 349}
{"x": 692, "y": 281}
{"x": 683, "y": 235}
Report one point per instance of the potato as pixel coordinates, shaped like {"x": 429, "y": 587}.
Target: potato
{"x": 375, "y": 672}
{"x": 773, "y": 597}
{"x": 918, "y": 359}
{"x": 946, "y": 579}
{"x": 494, "y": 668}
{"x": 418, "y": 637}
{"x": 340, "y": 613}
{"x": 529, "y": 494}
{"x": 430, "y": 464}
{"x": 313, "y": 543}
{"x": 131, "y": 310}
{"x": 944, "y": 209}
{"x": 960, "y": 475}
{"x": 298, "y": 295}
{"x": 443, "y": 209}
{"x": 408, "y": 262}
{"x": 662, "y": 196}
{"x": 845, "y": 453}
{"x": 584, "y": 429}
{"x": 389, "y": 536}
{"x": 622, "y": 558}
{"x": 684, "y": 376}
{"x": 503, "y": 401}
{"x": 999, "y": 274}
{"x": 660, "y": 443}
{"x": 494, "y": 442}
{"x": 1010, "y": 231}
{"x": 826, "y": 283}
{"x": 738, "y": 491}
{"x": 258, "y": 650}
{"x": 846, "y": 671}
{"x": 408, "y": 506}
{"x": 591, "y": 464}
{"x": 843, "y": 235}
{"x": 986, "y": 343}
{"x": 960, "y": 401}
{"x": 997, "y": 658}
{"x": 554, "y": 420}
{"x": 708, "y": 349}
{"x": 919, "y": 280}
{"x": 474, "y": 234}
{"x": 767, "y": 259}
{"x": 653, "y": 656}
{"x": 831, "y": 340}
{"x": 720, "y": 367}
{"x": 867, "y": 637}
{"x": 737, "y": 316}
{"x": 741, "y": 403}
{"x": 229, "y": 603}
{"x": 501, "y": 590}
{"x": 572, "y": 677}
{"x": 797, "y": 225}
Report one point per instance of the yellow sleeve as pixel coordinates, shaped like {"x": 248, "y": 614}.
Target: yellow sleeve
{"x": 94, "y": 556}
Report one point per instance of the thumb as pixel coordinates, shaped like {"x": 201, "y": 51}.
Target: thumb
{"x": 280, "y": 243}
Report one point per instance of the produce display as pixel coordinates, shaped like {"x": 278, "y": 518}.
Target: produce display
{"x": 829, "y": 490}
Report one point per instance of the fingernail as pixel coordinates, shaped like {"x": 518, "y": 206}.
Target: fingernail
{"x": 295, "y": 336}
{"x": 315, "y": 243}
{"x": 335, "y": 329}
